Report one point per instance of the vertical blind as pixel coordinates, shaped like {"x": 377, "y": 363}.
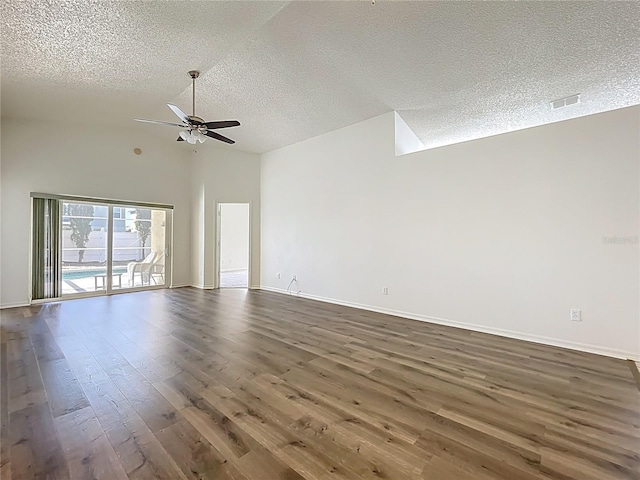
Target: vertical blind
{"x": 45, "y": 278}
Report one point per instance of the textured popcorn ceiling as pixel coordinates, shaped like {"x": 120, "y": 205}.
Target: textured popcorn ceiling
{"x": 289, "y": 71}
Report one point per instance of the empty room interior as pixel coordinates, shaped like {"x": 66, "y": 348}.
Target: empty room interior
{"x": 260, "y": 240}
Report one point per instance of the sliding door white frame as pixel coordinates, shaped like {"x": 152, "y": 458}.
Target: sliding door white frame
{"x": 109, "y": 278}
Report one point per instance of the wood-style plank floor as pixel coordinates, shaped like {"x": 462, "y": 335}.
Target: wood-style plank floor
{"x": 190, "y": 384}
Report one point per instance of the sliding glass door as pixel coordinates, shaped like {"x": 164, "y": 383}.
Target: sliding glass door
{"x": 139, "y": 247}
{"x": 97, "y": 248}
{"x": 85, "y": 232}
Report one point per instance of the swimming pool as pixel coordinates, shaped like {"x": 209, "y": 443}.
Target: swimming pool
{"x": 89, "y": 272}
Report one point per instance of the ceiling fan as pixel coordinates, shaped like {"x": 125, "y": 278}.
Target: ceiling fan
{"x": 195, "y": 129}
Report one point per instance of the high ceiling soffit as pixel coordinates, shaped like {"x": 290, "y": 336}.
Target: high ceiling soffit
{"x": 454, "y": 71}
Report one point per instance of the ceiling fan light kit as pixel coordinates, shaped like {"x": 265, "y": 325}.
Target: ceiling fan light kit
{"x": 195, "y": 129}
{"x": 192, "y": 136}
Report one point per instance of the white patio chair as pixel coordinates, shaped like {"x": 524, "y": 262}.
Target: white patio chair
{"x": 155, "y": 272}
{"x": 139, "y": 267}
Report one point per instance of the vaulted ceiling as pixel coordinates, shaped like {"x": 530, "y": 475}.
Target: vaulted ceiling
{"x": 288, "y": 71}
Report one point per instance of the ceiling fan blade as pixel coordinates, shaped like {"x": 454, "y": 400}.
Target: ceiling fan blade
{"x": 222, "y": 124}
{"x": 181, "y": 115}
{"x": 160, "y": 123}
{"x": 217, "y": 136}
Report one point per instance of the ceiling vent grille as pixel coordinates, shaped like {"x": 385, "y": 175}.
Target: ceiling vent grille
{"x": 566, "y": 101}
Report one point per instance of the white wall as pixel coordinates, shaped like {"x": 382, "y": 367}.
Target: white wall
{"x": 220, "y": 175}
{"x": 87, "y": 161}
{"x": 234, "y": 236}
{"x": 504, "y": 234}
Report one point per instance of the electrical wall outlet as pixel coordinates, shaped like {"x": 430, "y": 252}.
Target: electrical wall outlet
{"x": 277, "y": 275}
{"x": 576, "y": 315}
{"x": 385, "y": 291}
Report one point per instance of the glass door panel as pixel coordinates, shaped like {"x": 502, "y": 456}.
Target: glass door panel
{"x": 84, "y": 237}
{"x": 139, "y": 247}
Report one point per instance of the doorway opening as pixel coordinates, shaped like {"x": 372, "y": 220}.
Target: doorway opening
{"x": 233, "y": 243}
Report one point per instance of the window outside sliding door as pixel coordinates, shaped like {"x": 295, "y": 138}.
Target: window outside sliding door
{"x": 101, "y": 247}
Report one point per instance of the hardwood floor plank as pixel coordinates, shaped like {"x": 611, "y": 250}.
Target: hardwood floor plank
{"x": 564, "y": 463}
{"x": 315, "y": 431}
{"x": 591, "y": 449}
{"x": 220, "y": 436}
{"x": 403, "y": 421}
{"x": 251, "y": 385}
{"x": 380, "y": 450}
{"x": 5, "y": 451}
{"x": 148, "y": 403}
{"x": 260, "y": 464}
{"x": 195, "y": 456}
{"x": 137, "y": 449}
{"x": 64, "y": 392}
{"x": 143, "y": 457}
{"x": 35, "y": 448}
{"x": 635, "y": 372}
{"x": 25, "y": 386}
{"x": 86, "y": 447}
{"x": 438, "y": 468}
{"x": 144, "y": 363}
{"x": 112, "y": 408}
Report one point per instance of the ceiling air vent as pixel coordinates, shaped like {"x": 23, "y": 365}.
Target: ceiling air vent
{"x": 566, "y": 101}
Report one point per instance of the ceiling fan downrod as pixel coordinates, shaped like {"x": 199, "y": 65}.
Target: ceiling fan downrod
{"x": 194, "y": 74}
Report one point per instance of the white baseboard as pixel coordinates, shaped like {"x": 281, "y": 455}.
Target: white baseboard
{"x": 201, "y": 287}
{"x": 555, "y": 342}
{"x": 14, "y": 305}
{"x": 180, "y": 285}
{"x": 205, "y": 287}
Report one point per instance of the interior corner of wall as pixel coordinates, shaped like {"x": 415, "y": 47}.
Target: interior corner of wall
{"x": 406, "y": 140}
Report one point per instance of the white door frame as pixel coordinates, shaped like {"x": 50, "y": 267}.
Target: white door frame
{"x": 216, "y": 266}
